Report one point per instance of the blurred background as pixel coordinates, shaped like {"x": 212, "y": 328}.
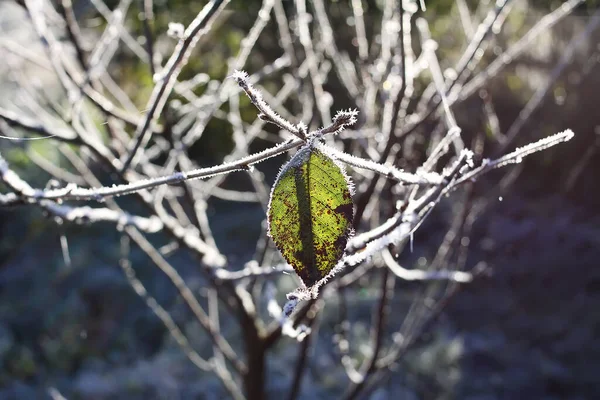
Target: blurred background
{"x": 528, "y": 329}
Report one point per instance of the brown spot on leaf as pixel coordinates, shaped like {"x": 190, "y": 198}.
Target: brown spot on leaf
{"x": 346, "y": 210}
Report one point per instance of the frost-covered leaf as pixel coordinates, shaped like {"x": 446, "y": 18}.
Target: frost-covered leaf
{"x": 310, "y": 214}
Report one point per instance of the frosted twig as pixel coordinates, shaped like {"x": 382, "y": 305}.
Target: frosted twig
{"x": 166, "y": 318}
{"x": 147, "y": 17}
{"x": 321, "y": 98}
{"x": 250, "y": 40}
{"x": 72, "y": 214}
{"x": 488, "y": 106}
{"x": 464, "y": 64}
{"x": 70, "y": 78}
{"x": 252, "y": 270}
{"x": 86, "y": 214}
{"x": 282, "y": 315}
{"x": 188, "y": 296}
{"x": 54, "y": 169}
{"x": 480, "y": 36}
{"x": 359, "y": 25}
{"x": 221, "y": 92}
{"x": 266, "y": 112}
{"x": 168, "y": 76}
{"x": 343, "y": 65}
{"x": 402, "y": 223}
{"x": 420, "y": 275}
{"x": 177, "y": 281}
{"x": 285, "y": 36}
{"x": 108, "y": 43}
{"x": 429, "y": 47}
{"x": 24, "y": 53}
{"x": 389, "y": 171}
{"x": 73, "y": 192}
{"x": 440, "y": 149}
{"x": 341, "y": 121}
{"x": 517, "y": 156}
{"x": 380, "y": 320}
{"x": 394, "y": 103}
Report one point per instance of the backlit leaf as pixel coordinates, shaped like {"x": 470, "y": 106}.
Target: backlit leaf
{"x": 310, "y": 214}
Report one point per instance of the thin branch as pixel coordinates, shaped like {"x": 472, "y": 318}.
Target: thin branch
{"x": 147, "y": 17}
{"x": 420, "y": 275}
{"x": 173, "y": 275}
{"x": 189, "y": 298}
{"x": 304, "y": 353}
{"x": 252, "y": 270}
{"x": 266, "y": 112}
{"x": 302, "y": 21}
{"x": 429, "y": 46}
{"x": 53, "y": 168}
{"x": 88, "y": 215}
{"x": 389, "y": 171}
{"x": 516, "y": 156}
{"x": 392, "y": 106}
{"x": 361, "y": 35}
{"x": 20, "y": 121}
{"x": 377, "y": 335}
{"x": 545, "y": 23}
{"x": 73, "y": 192}
{"x": 537, "y": 99}
{"x": 168, "y": 77}
{"x": 158, "y": 310}
{"x": 344, "y": 67}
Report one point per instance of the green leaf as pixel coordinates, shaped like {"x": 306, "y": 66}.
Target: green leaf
{"x": 310, "y": 214}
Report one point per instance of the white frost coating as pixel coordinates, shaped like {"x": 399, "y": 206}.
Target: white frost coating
{"x": 387, "y": 170}
{"x": 266, "y": 112}
{"x": 468, "y": 154}
{"x": 74, "y": 192}
{"x": 283, "y": 316}
{"x": 420, "y": 275}
{"x": 176, "y": 30}
{"x": 517, "y": 156}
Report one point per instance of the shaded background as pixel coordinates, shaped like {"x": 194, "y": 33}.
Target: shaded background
{"x": 529, "y": 331}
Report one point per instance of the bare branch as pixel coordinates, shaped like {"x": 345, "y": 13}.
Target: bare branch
{"x": 420, "y": 275}
{"x": 517, "y": 156}
{"x": 168, "y": 77}
{"x": 266, "y": 112}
